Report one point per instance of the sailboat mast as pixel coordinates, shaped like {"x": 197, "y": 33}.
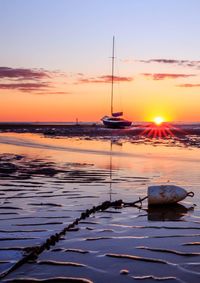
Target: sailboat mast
{"x": 112, "y": 76}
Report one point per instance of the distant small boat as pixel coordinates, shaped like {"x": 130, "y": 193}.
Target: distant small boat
{"x": 115, "y": 120}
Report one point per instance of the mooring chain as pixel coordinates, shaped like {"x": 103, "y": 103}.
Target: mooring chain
{"x": 34, "y": 252}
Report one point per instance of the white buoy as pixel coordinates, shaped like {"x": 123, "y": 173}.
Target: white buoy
{"x": 166, "y": 194}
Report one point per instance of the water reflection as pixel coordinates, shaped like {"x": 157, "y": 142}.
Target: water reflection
{"x": 132, "y": 162}
{"x": 173, "y": 212}
{"x": 118, "y": 144}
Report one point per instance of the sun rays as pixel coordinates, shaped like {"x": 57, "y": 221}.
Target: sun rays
{"x": 161, "y": 129}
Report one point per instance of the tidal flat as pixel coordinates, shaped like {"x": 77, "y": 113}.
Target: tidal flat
{"x": 48, "y": 180}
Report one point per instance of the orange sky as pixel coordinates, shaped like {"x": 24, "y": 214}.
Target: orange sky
{"x": 55, "y": 59}
{"x": 172, "y": 94}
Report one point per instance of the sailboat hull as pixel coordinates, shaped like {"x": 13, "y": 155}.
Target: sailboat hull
{"x": 116, "y": 123}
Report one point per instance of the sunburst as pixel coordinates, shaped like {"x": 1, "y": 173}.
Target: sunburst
{"x": 161, "y": 129}
{"x": 158, "y": 120}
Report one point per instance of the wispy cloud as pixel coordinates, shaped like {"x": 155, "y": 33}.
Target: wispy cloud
{"x": 188, "y": 85}
{"x": 183, "y": 63}
{"x": 53, "y": 92}
{"x": 26, "y": 87}
{"x": 104, "y": 79}
{"x": 31, "y": 80}
{"x": 163, "y": 76}
{"x": 23, "y": 74}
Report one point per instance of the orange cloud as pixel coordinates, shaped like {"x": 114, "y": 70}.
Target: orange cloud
{"x": 105, "y": 79}
{"x": 188, "y": 85}
{"x": 162, "y": 76}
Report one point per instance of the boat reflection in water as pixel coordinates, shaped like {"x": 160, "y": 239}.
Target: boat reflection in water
{"x": 115, "y": 143}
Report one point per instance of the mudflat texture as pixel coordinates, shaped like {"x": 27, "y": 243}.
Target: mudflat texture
{"x": 46, "y": 183}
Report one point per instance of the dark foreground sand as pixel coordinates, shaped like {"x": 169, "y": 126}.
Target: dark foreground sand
{"x": 40, "y": 197}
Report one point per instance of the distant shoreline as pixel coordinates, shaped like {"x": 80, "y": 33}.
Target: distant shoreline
{"x": 99, "y": 123}
{"x": 98, "y": 130}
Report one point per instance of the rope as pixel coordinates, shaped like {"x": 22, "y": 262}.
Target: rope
{"x": 190, "y": 194}
{"x": 135, "y": 202}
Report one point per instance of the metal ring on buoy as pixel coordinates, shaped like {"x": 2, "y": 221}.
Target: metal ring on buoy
{"x": 190, "y": 194}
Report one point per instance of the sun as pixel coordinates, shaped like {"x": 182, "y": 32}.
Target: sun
{"x": 158, "y": 120}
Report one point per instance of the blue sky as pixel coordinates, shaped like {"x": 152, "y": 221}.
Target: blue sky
{"x": 58, "y": 33}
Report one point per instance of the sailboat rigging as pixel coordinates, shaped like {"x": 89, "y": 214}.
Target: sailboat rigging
{"x": 115, "y": 120}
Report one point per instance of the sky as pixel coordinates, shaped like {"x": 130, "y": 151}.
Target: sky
{"x": 55, "y": 60}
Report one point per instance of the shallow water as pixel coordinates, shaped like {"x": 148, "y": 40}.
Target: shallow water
{"x": 47, "y": 182}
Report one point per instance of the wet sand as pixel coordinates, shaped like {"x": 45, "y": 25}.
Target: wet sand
{"x": 185, "y": 134}
{"x": 46, "y": 183}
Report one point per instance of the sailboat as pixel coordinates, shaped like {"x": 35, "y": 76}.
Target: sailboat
{"x": 115, "y": 120}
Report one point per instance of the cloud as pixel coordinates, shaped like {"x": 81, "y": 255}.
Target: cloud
{"x": 162, "y": 76}
{"x": 54, "y": 92}
{"x": 105, "y": 79}
{"x": 185, "y": 63}
{"x": 167, "y": 61}
{"x": 26, "y": 87}
{"x": 23, "y": 74}
{"x": 188, "y": 85}
{"x": 29, "y": 80}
